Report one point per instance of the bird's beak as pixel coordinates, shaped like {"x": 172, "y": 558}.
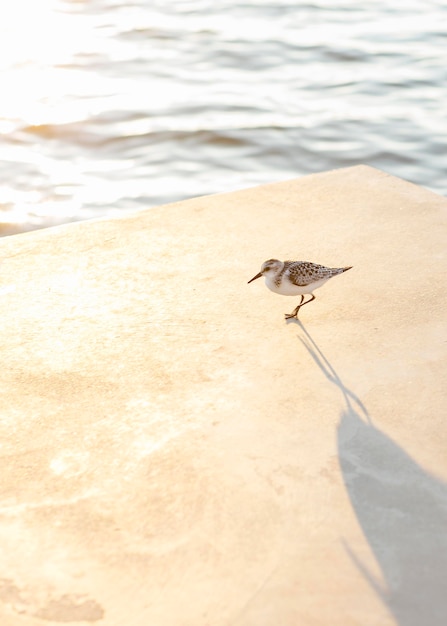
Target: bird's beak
{"x": 254, "y": 278}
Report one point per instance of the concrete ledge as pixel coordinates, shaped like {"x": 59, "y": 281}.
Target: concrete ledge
{"x": 174, "y": 454}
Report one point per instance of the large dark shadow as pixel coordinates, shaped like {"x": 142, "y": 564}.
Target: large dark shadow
{"x": 401, "y": 508}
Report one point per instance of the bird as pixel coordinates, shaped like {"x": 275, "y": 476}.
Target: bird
{"x": 296, "y": 278}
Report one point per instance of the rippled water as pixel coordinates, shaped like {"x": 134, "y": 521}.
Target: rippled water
{"x": 108, "y": 106}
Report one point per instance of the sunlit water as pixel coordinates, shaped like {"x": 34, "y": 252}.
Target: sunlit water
{"x": 109, "y": 106}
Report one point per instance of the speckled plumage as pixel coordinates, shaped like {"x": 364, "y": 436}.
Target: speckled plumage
{"x": 296, "y": 278}
{"x": 304, "y": 273}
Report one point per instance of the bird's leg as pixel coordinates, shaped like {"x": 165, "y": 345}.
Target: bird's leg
{"x": 296, "y": 310}
{"x": 307, "y": 302}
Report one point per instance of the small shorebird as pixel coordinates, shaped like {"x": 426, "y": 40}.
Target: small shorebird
{"x": 296, "y": 278}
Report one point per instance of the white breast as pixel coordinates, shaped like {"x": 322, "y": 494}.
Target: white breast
{"x": 286, "y": 288}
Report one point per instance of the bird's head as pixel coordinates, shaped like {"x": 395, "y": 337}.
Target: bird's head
{"x": 269, "y": 268}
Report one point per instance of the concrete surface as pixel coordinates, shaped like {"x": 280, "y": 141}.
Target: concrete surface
{"x": 173, "y": 453}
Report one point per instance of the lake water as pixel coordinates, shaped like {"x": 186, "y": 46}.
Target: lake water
{"x": 108, "y": 107}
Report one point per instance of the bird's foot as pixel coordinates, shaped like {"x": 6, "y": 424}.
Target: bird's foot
{"x": 290, "y": 316}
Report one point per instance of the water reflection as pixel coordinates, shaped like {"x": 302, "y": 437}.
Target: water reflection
{"x": 109, "y": 106}
{"x": 402, "y": 510}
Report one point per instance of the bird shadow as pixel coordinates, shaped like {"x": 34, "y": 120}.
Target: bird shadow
{"x": 401, "y": 508}
{"x": 353, "y": 402}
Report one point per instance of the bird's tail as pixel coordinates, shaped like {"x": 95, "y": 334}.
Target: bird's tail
{"x": 345, "y": 269}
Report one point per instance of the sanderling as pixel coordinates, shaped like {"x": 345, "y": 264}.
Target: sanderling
{"x": 296, "y": 278}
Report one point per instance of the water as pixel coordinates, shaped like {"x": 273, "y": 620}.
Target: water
{"x": 109, "y": 106}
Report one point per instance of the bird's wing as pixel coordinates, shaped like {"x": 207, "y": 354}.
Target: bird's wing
{"x": 303, "y": 273}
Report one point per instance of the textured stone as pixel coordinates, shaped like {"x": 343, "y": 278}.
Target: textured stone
{"x": 173, "y": 453}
